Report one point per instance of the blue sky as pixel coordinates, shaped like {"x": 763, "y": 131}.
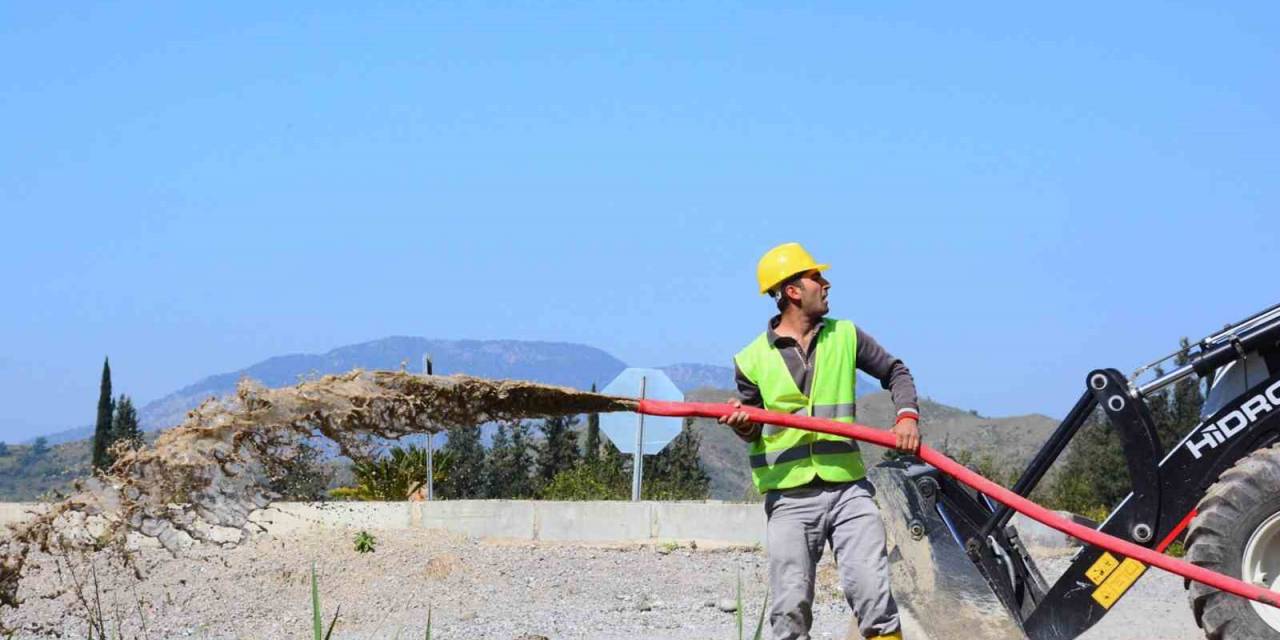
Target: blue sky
{"x": 1009, "y": 195}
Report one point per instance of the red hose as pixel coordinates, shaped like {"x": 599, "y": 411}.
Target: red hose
{"x": 963, "y": 474}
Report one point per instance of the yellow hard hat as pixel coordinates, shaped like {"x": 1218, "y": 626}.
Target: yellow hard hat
{"x": 784, "y": 261}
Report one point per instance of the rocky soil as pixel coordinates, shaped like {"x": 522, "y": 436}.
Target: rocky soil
{"x": 468, "y": 588}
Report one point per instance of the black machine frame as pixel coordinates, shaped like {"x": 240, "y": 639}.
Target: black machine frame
{"x": 1164, "y": 490}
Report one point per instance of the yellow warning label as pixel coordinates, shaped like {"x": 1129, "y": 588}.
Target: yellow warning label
{"x": 1102, "y": 568}
{"x": 1120, "y": 580}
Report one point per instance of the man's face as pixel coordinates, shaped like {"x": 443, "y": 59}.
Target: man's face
{"x": 810, "y": 293}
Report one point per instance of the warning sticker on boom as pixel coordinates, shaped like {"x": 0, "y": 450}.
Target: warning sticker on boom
{"x": 1102, "y": 568}
{"x": 1118, "y": 582}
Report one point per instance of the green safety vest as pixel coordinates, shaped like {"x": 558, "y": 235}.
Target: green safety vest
{"x": 782, "y": 458}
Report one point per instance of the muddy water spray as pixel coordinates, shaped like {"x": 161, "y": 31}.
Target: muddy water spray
{"x": 201, "y": 480}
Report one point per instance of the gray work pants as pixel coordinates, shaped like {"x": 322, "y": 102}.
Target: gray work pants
{"x": 801, "y": 522}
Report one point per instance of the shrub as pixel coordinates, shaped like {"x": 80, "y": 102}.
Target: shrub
{"x": 595, "y": 480}
{"x": 394, "y": 477}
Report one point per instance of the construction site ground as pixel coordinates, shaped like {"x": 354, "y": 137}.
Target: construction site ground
{"x": 471, "y": 589}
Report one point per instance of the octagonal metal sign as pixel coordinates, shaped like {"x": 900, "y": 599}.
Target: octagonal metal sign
{"x": 621, "y": 428}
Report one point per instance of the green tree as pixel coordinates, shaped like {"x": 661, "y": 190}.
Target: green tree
{"x": 1094, "y": 471}
{"x": 102, "y": 428}
{"x": 4, "y": 449}
{"x": 675, "y": 472}
{"x": 467, "y": 468}
{"x": 39, "y": 449}
{"x": 608, "y": 477}
{"x": 987, "y": 465}
{"x": 610, "y": 454}
{"x": 559, "y": 449}
{"x": 509, "y": 462}
{"x": 1187, "y": 398}
{"x": 124, "y": 427}
{"x": 1160, "y": 404}
{"x": 301, "y": 475}
{"x": 591, "y": 448}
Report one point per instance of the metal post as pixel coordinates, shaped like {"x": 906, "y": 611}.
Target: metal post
{"x": 431, "y": 469}
{"x": 431, "y": 473}
{"x": 637, "y": 467}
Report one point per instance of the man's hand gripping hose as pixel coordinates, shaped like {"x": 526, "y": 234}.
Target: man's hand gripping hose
{"x": 963, "y": 474}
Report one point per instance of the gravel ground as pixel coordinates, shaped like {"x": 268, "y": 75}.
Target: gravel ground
{"x": 473, "y": 589}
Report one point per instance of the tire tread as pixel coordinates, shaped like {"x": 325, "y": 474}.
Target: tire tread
{"x": 1210, "y": 543}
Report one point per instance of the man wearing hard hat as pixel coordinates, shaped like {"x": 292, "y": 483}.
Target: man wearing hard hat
{"x": 815, "y": 485}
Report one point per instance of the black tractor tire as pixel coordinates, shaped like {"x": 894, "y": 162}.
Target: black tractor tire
{"x": 1244, "y": 497}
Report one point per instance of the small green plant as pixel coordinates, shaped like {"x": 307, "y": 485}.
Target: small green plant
{"x": 316, "y": 623}
{"x": 365, "y": 542}
{"x": 759, "y": 634}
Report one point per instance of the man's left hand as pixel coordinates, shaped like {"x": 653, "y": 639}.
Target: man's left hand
{"x": 908, "y": 433}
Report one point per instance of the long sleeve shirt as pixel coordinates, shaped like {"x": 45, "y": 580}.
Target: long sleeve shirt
{"x": 871, "y": 359}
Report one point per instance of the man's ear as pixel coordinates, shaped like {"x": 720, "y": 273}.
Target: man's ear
{"x": 794, "y": 285}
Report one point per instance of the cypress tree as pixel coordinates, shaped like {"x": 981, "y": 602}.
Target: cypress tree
{"x": 508, "y": 463}
{"x": 102, "y": 428}
{"x": 521, "y": 464}
{"x": 494, "y": 463}
{"x": 559, "y": 450}
{"x": 591, "y": 450}
{"x": 125, "y": 425}
{"x": 675, "y": 472}
{"x": 466, "y": 477}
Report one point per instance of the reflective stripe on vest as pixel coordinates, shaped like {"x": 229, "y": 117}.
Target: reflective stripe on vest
{"x": 803, "y": 451}
{"x": 783, "y": 458}
{"x": 834, "y": 411}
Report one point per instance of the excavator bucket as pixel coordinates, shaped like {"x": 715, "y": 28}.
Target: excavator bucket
{"x": 933, "y": 576}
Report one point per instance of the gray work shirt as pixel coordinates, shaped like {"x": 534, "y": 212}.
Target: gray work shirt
{"x": 871, "y": 359}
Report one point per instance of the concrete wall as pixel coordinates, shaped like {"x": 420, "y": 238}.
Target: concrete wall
{"x": 607, "y": 521}
{"x": 18, "y": 511}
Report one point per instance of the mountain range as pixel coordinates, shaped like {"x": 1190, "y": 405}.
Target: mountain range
{"x": 561, "y": 363}
{"x": 1012, "y": 440}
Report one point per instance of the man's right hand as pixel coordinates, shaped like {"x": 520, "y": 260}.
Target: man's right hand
{"x": 738, "y": 419}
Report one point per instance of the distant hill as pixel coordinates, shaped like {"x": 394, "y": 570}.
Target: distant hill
{"x": 689, "y": 376}
{"x": 26, "y": 476}
{"x": 559, "y": 363}
{"x": 568, "y": 364}
{"x": 69, "y": 435}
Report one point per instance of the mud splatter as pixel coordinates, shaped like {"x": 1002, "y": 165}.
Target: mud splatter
{"x": 201, "y": 480}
